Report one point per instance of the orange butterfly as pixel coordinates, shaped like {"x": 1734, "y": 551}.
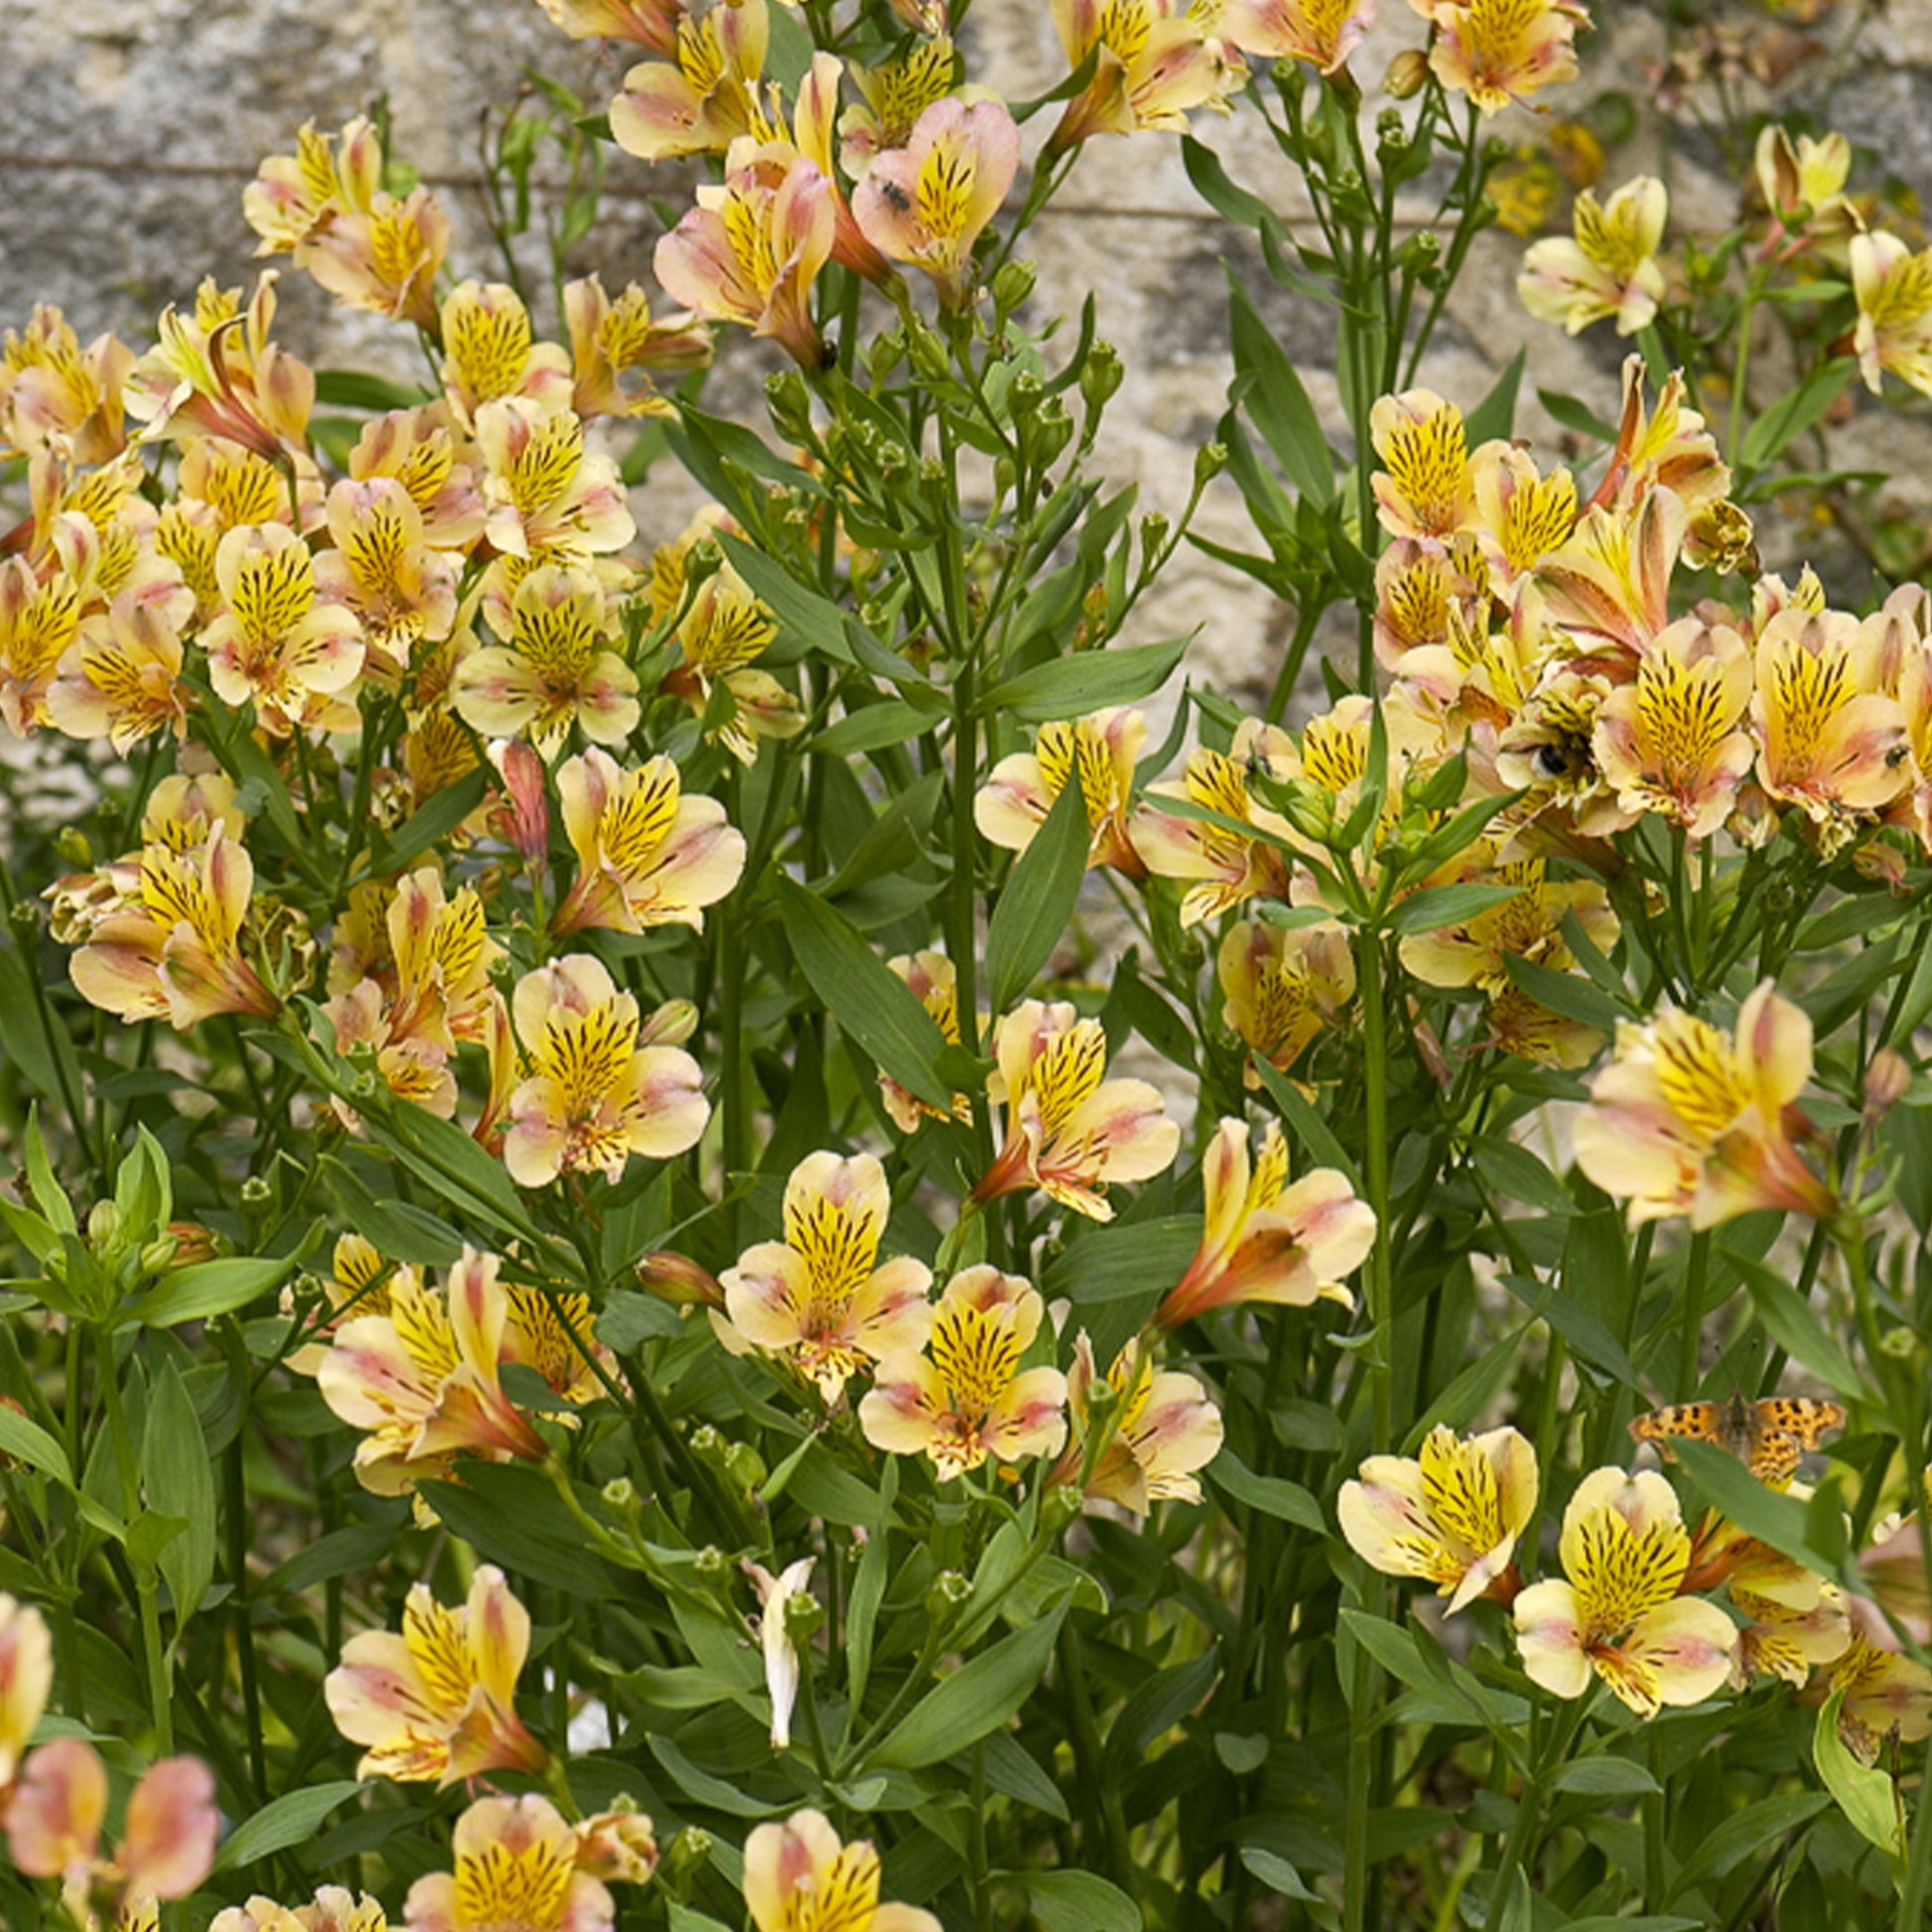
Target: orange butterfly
{"x": 1767, "y": 1436}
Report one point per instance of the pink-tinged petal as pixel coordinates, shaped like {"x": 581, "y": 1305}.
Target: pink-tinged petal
{"x": 901, "y": 1412}
{"x": 1550, "y": 1639}
{"x": 432, "y": 1906}
{"x": 779, "y": 1859}
{"x": 1031, "y": 1419}
{"x": 765, "y": 1292}
{"x": 1686, "y": 1644}
{"x": 26, "y": 1677}
{"x": 55, "y": 1815}
{"x": 168, "y": 1843}
{"x": 889, "y": 1314}
{"x": 1384, "y": 1518}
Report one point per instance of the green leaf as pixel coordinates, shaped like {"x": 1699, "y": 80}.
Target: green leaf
{"x": 1790, "y": 1321}
{"x": 1276, "y": 1874}
{"x": 1307, "y": 1126}
{"x": 43, "y": 1054}
{"x": 1078, "y": 1902}
{"x": 49, "y": 1195}
{"x": 338, "y": 1554}
{"x": 1863, "y": 1793}
{"x": 400, "y": 1230}
{"x": 869, "y": 1589}
{"x": 1574, "y": 416}
{"x": 1730, "y": 1842}
{"x": 977, "y": 1698}
{"x": 1086, "y": 681}
{"x": 288, "y": 1820}
{"x": 868, "y": 1001}
{"x": 1602, "y": 1777}
{"x": 466, "y": 1178}
{"x": 206, "y": 1289}
{"x": 28, "y": 1442}
{"x": 1795, "y": 412}
{"x": 180, "y": 1483}
{"x": 504, "y": 1511}
{"x": 429, "y": 825}
{"x": 702, "y": 1786}
{"x": 814, "y": 621}
{"x": 871, "y": 726}
{"x": 1436, "y": 907}
{"x": 1268, "y": 388}
{"x": 1517, "y": 1174}
{"x": 1569, "y": 995}
{"x": 1130, "y": 1258}
{"x": 357, "y": 389}
{"x": 1011, "y": 1771}
{"x": 1273, "y": 1495}
{"x": 1038, "y": 898}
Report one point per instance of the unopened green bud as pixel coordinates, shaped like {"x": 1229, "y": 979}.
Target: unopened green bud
{"x": 686, "y": 1854}
{"x": 712, "y": 1566}
{"x": 1408, "y": 74}
{"x": 1012, "y": 285}
{"x": 709, "y": 1442}
{"x": 619, "y": 1495}
{"x": 803, "y": 1614}
{"x": 361, "y": 1089}
{"x": 1902, "y": 1344}
{"x": 1102, "y": 1400}
{"x": 103, "y": 1223}
{"x": 1101, "y": 374}
{"x": 75, "y": 847}
{"x": 257, "y": 1191}
{"x": 26, "y": 916}
{"x": 745, "y": 1465}
{"x": 932, "y": 472}
{"x": 1209, "y": 461}
{"x": 1060, "y": 1505}
{"x": 929, "y": 354}
{"x": 1153, "y": 532}
{"x": 791, "y": 404}
{"x": 159, "y": 1255}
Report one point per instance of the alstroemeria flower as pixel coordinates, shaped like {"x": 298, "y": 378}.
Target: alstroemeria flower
{"x": 646, "y": 855}
{"x": 1266, "y": 1239}
{"x": 894, "y": 94}
{"x": 1685, "y": 1121}
{"x": 1518, "y": 516}
{"x": 1223, "y": 867}
{"x": 424, "y": 1380}
{"x": 798, "y": 1877}
{"x": 1834, "y": 745}
{"x": 816, "y": 1298}
{"x": 1452, "y": 1517}
{"x": 967, "y": 1396}
{"x": 172, "y": 947}
{"x": 516, "y": 1870}
{"x": 26, "y": 1677}
{"x": 382, "y": 568}
{"x": 437, "y": 1700}
{"x": 121, "y": 678}
{"x": 38, "y": 621}
{"x": 1154, "y": 62}
{"x": 335, "y": 1909}
{"x": 1616, "y": 1610}
{"x": 278, "y": 641}
{"x": 56, "y": 395}
{"x": 1502, "y": 51}
{"x": 935, "y": 984}
{"x": 419, "y": 449}
{"x": 489, "y": 351}
{"x": 618, "y": 1846}
{"x": 722, "y": 631}
{"x": 557, "y": 670}
{"x": 1425, "y": 487}
{"x": 647, "y": 23}
{"x": 1893, "y": 287}
{"x": 1323, "y": 33}
{"x": 1282, "y": 986}
{"x": 1677, "y": 741}
{"x": 774, "y": 1641}
{"x": 1885, "y": 1696}
{"x": 53, "y": 1822}
{"x": 1069, "y": 1130}
{"x": 926, "y": 203}
{"x": 601, "y": 1087}
{"x": 705, "y": 95}
{"x": 751, "y": 249}
{"x": 1610, "y": 582}
{"x": 608, "y": 339}
{"x": 1610, "y": 267}
{"x": 547, "y": 495}
{"x": 1162, "y": 1427}
{"x": 1804, "y": 187}
{"x": 385, "y": 260}
{"x": 1099, "y": 753}
{"x": 292, "y": 194}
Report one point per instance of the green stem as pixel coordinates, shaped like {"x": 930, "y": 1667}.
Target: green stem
{"x": 1689, "y": 1338}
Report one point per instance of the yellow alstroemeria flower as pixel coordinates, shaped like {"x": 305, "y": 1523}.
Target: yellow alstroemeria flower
{"x": 818, "y": 1298}
{"x": 382, "y": 568}
{"x": 121, "y": 678}
{"x": 170, "y": 947}
{"x": 1222, "y": 866}
{"x": 1885, "y": 1696}
{"x": 1678, "y": 741}
{"x": 1425, "y": 487}
{"x": 1609, "y": 269}
{"x": 1069, "y": 1130}
{"x": 705, "y": 95}
{"x": 1803, "y": 185}
{"x": 926, "y": 203}
{"x": 438, "y": 1698}
{"x": 1502, "y": 51}
{"x": 291, "y": 194}
{"x": 1834, "y": 743}
{"x": 546, "y": 496}
{"x": 419, "y": 449}
{"x": 278, "y": 641}
{"x": 610, "y": 339}
{"x": 56, "y": 395}
{"x": 1616, "y": 1612}
{"x": 1685, "y": 1121}
{"x": 1453, "y": 1516}
{"x": 799, "y": 1877}
{"x": 1099, "y": 751}
{"x": 1517, "y": 518}
{"x": 647, "y": 23}
{"x": 26, "y": 1677}
{"x": 601, "y": 1083}
{"x": 1893, "y": 287}
{"x": 722, "y": 631}
{"x": 1283, "y": 986}
{"x": 335, "y": 1909}
{"x": 1161, "y": 1427}
{"x": 515, "y": 1866}
{"x": 1322, "y": 33}
{"x": 557, "y": 669}
{"x": 894, "y": 95}
{"x": 935, "y": 984}
{"x": 489, "y": 351}
{"x": 1265, "y": 1238}
{"x": 751, "y": 249}
{"x": 423, "y": 1380}
{"x": 646, "y": 855}
{"x": 967, "y": 1398}
{"x": 1154, "y": 62}
{"x": 1609, "y": 584}
{"x": 38, "y": 621}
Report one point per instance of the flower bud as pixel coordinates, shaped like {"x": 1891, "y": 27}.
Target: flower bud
{"x": 1013, "y": 283}
{"x": 617, "y": 1846}
{"x": 522, "y": 820}
{"x": 670, "y": 1026}
{"x": 619, "y": 1495}
{"x": 1407, "y": 75}
{"x": 680, "y": 1281}
{"x": 791, "y": 404}
{"x": 951, "y": 1588}
{"x": 930, "y": 357}
{"x": 103, "y": 1223}
{"x": 1209, "y": 461}
{"x": 1887, "y": 1080}
{"x": 687, "y": 1853}
{"x": 74, "y": 848}
{"x": 1101, "y": 374}
{"x": 257, "y": 1191}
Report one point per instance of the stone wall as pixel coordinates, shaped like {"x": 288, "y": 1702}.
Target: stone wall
{"x": 130, "y": 127}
